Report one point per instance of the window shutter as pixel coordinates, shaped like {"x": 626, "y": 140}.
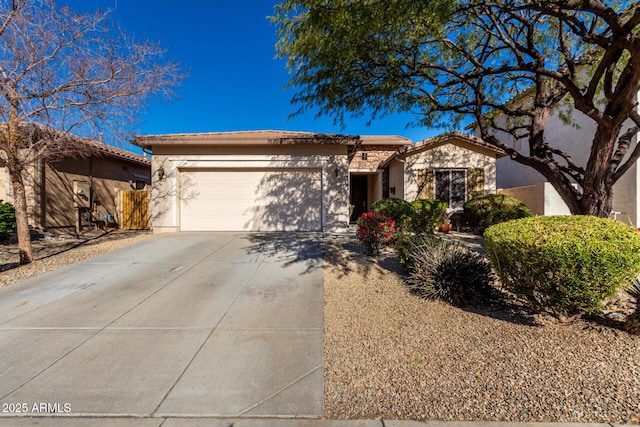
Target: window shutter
{"x": 475, "y": 182}
{"x": 426, "y": 184}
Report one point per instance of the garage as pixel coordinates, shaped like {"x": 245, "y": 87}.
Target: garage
{"x": 263, "y": 180}
{"x": 250, "y": 199}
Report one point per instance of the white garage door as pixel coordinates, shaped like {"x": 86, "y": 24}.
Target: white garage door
{"x": 251, "y": 199}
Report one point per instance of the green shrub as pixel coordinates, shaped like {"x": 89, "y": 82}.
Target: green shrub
{"x": 428, "y": 214}
{"x": 451, "y": 273}
{"x": 7, "y": 220}
{"x": 399, "y": 210}
{"x": 484, "y": 211}
{"x": 565, "y": 265}
{"x": 405, "y": 244}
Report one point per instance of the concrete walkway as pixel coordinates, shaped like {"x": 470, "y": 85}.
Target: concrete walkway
{"x": 208, "y": 324}
{"x": 266, "y": 422}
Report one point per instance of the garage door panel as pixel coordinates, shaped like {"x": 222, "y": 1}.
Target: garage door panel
{"x": 251, "y": 200}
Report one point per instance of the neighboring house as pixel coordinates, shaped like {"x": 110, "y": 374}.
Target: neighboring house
{"x": 301, "y": 181}
{"x": 529, "y": 186}
{"x": 453, "y": 167}
{"x": 82, "y": 189}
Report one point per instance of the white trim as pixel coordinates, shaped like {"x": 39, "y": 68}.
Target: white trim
{"x": 289, "y": 163}
{"x": 365, "y": 170}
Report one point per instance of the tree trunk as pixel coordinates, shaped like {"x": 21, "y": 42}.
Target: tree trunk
{"x": 597, "y": 186}
{"x": 598, "y": 201}
{"x": 22, "y": 219}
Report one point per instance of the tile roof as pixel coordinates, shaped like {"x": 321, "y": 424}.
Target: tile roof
{"x": 443, "y": 139}
{"x": 115, "y": 152}
{"x": 260, "y": 137}
{"x": 65, "y": 145}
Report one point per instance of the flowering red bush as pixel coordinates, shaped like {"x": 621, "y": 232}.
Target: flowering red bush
{"x": 374, "y": 230}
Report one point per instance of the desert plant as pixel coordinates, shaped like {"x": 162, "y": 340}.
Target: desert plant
{"x": 405, "y": 244}
{"x": 7, "y": 220}
{"x": 428, "y": 214}
{"x": 489, "y": 209}
{"x": 374, "y": 230}
{"x": 565, "y": 265}
{"x": 399, "y": 210}
{"x": 451, "y": 273}
{"x": 632, "y": 323}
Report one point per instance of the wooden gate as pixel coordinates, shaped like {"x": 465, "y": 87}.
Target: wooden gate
{"x": 135, "y": 209}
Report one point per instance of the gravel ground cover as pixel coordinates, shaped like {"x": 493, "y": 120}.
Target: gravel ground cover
{"x": 53, "y": 251}
{"x": 391, "y": 354}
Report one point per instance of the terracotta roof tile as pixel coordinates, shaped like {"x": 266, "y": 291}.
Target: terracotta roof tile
{"x": 259, "y": 137}
{"x": 443, "y": 138}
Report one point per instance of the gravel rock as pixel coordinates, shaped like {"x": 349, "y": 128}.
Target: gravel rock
{"x": 53, "y": 251}
{"x": 391, "y": 354}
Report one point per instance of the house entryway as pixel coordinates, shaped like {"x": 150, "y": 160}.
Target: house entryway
{"x": 358, "y": 196}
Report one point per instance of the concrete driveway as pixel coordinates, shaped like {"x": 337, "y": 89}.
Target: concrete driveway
{"x": 187, "y": 324}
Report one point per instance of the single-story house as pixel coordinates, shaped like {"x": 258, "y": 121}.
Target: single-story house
{"x": 80, "y": 188}
{"x": 301, "y": 181}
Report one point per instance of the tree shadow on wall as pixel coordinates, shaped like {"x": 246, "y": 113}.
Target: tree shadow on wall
{"x": 292, "y": 199}
{"x": 287, "y": 200}
{"x": 167, "y": 188}
{"x": 443, "y": 159}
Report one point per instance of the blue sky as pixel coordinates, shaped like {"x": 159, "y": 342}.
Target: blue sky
{"x": 234, "y": 83}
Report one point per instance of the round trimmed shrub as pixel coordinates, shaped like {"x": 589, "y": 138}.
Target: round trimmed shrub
{"x": 7, "y": 220}
{"x": 399, "y": 210}
{"x": 490, "y": 209}
{"x": 451, "y": 273}
{"x": 564, "y": 265}
{"x": 428, "y": 214}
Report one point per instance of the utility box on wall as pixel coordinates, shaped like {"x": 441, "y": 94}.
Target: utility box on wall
{"x": 81, "y": 194}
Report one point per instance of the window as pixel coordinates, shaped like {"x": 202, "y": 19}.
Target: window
{"x": 451, "y": 187}
{"x": 363, "y": 156}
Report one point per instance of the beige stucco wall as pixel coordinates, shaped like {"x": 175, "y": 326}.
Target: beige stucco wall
{"x": 4, "y": 182}
{"x": 167, "y": 192}
{"x": 374, "y": 188}
{"x": 31, "y": 176}
{"x": 396, "y": 179}
{"x": 541, "y": 198}
{"x": 447, "y": 156}
{"x": 625, "y": 197}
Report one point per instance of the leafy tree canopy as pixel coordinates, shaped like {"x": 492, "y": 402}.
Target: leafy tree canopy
{"x": 507, "y": 64}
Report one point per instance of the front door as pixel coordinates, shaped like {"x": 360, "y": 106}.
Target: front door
{"x": 358, "y": 197}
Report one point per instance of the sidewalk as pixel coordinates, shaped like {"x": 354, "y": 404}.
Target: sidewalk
{"x": 266, "y": 422}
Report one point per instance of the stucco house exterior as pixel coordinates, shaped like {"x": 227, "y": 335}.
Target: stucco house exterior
{"x": 81, "y": 188}
{"x": 302, "y": 181}
{"x": 252, "y": 181}
{"x": 453, "y": 167}
{"x": 529, "y": 186}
